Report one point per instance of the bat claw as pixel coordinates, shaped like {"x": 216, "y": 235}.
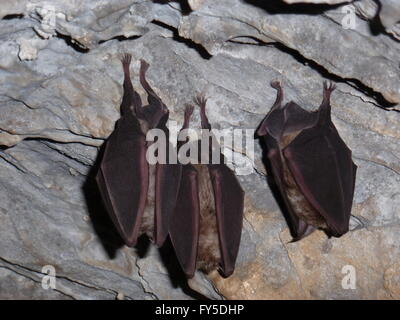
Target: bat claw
{"x": 200, "y": 100}
{"x": 188, "y": 113}
{"x": 329, "y": 86}
{"x": 188, "y": 110}
{"x": 276, "y": 84}
{"x": 126, "y": 59}
{"x": 143, "y": 66}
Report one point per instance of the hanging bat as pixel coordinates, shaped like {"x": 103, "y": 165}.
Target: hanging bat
{"x": 138, "y": 196}
{"x": 199, "y": 206}
{"x": 205, "y": 228}
{"x": 311, "y": 166}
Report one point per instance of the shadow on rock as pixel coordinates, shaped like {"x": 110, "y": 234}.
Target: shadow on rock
{"x": 102, "y": 223}
{"x": 274, "y": 188}
{"x": 279, "y": 7}
{"x": 176, "y": 274}
{"x": 112, "y": 241}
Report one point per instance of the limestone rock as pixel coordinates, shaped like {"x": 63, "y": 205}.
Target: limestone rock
{"x": 59, "y": 99}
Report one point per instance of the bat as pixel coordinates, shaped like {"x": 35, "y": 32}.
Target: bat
{"x": 205, "y": 228}
{"x": 311, "y": 165}
{"x": 139, "y": 197}
{"x": 199, "y": 206}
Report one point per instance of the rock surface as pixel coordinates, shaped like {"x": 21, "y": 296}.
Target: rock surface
{"x": 59, "y": 97}
{"x": 318, "y": 1}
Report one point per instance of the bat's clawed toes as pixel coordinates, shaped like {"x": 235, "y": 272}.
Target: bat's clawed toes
{"x": 143, "y": 66}
{"x": 188, "y": 111}
{"x": 325, "y": 83}
{"x": 126, "y": 59}
{"x": 200, "y": 100}
{"x": 329, "y": 86}
{"x": 276, "y": 84}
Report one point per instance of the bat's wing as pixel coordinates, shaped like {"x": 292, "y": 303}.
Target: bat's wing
{"x": 168, "y": 178}
{"x": 184, "y": 223}
{"x": 123, "y": 177}
{"x": 229, "y": 205}
{"x": 299, "y": 228}
{"x": 322, "y": 167}
{"x": 296, "y": 118}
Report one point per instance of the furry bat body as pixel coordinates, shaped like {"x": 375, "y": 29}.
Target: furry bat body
{"x": 311, "y": 166}
{"x": 199, "y": 206}
{"x": 139, "y": 197}
{"x": 205, "y": 228}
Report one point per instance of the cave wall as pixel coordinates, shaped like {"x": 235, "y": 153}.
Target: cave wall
{"x": 60, "y": 92}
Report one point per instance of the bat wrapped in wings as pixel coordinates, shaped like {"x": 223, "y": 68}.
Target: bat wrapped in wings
{"x": 138, "y": 196}
{"x": 205, "y": 228}
{"x": 311, "y": 165}
{"x": 199, "y": 206}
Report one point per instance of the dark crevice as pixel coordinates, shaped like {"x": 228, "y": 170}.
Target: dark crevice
{"x": 375, "y": 24}
{"x": 279, "y": 7}
{"x": 50, "y": 144}
{"x": 10, "y": 160}
{"x": 376, "y": 27}
{"x": 188, "y": 42}
{"x": 73, "y": 44}
{"x": 64, "y": 142}
{"x": 13, "y": 16}
{"x": 66, "y": 278}
{"x": 120, "y": 38}
{"x": 253, "y": 41}
{"x": 381, "y": 102}
{"x": 185, "y": 8}
{"x": 183, "y": 4}
{"x": 355, "y": 83}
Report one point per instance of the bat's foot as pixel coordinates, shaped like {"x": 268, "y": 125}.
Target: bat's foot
{"x": 188, "y": 113}
{"x": 279, "y": 95}
{"x": 126, "y": 60}
{"x": 188, "y": 110}
{"x": 276, "y": 85}
{"x": 329, "y": 87}
{"x": 143, "y": 66}
{"x": 201, "y": 100}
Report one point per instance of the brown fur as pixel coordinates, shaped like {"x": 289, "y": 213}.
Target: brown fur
{"x": 209, "y": 255}
{"x": 147, "y": 225}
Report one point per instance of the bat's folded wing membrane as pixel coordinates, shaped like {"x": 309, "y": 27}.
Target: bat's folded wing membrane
{"x": 298, "y": 227}
{"x": 229, "y": 205}
{"x": 322, "y": 168}
{"x": 167, "y": 188}
{"x": 184, "y": 222}
{"x": 123, "y": 180}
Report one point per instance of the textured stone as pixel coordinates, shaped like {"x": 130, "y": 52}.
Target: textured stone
{"x": 317, "y": 1}
{"x": 357, "y": 57}
{"x": 59, "y": 100}
{"x": 389, "y": 15}
{"x": 89, "y": 23}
